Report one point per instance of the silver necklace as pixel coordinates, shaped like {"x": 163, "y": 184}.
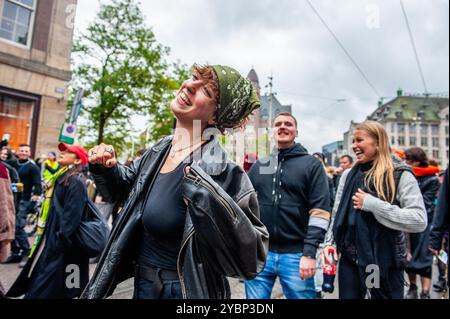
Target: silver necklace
{"x": 174, "y": 152}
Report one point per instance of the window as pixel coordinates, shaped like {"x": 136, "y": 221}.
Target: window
{"x": 435, "y": 129}
{"x": 446, "y": 130}
{"x": 424, "y": 141}
{"x": 446, "y": 142}
{"x": 424, "y": 129}
{"x": 393, "y": 140}
{"x": 401, "y": 128}
{"x": 436, "y": 154}
{"x": 435, "y": 142}
{"x": 412, "y": 128}
{"x": 401, "y": 141}
{"x": 412, "y": 141}
{"x": 16, "y": 20}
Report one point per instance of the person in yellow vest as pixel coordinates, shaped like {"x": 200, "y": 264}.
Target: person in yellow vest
{"x": 50, "y": 166}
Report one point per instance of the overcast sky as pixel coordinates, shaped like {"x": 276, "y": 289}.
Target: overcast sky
{"x": 286, "y": 38}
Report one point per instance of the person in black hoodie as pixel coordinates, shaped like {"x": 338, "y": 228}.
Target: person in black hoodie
{"x": 422, "y": 258}
{"x": 30, "y": 176}
{"x": 294, "y": 200}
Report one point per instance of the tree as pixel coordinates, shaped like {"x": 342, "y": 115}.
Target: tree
{"x": 124, "y": 72}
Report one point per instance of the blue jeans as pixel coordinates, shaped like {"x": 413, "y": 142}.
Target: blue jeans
{"x": 287, "y": 268}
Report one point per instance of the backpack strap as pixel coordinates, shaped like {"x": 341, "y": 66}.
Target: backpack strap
{"x": 398, "y": 172}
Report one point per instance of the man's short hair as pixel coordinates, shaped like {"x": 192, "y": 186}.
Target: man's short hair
{"x": 24, "y": 145}
{"x": 286, "y": 114}
{"x": 350, "y": 159}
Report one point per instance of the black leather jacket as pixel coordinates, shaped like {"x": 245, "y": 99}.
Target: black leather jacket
{"x": 223, "y": 235}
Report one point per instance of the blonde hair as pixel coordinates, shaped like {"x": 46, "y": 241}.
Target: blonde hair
{"x": 382, "y": 171}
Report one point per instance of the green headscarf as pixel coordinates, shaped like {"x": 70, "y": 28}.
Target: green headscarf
{"x": 237, "y": 97}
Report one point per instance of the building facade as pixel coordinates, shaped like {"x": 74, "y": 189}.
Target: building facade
{"x": 417, "y": 121}
{"x": 256, "y": 136}
{"x": 269, "y": 103}
{"x": 333, "y": 153}
{"x": 413, "y": 121}
{"x": 36, "y": 38}
{"x": 348, "y": 140}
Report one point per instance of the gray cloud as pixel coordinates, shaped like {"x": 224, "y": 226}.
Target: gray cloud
{"x": 287, "y": 39}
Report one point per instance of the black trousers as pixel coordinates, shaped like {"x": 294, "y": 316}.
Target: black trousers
{"x": 352, "y": 283}
{"x": 156, "y": 283}
{"x": 20, "y": 245}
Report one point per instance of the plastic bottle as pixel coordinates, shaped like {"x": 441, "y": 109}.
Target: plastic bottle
{"x": 329, "y": 274}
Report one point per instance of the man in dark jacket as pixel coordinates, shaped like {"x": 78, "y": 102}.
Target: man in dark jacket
{"x": 30, "y": 176}
{"x": 441, "y": 220}
{"x": 294, "y": 201}
{"x": 345, "y": 163}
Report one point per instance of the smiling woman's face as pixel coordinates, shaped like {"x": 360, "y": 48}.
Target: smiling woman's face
{"x": 195, "y": 101}
{"x": 364, "y": 146}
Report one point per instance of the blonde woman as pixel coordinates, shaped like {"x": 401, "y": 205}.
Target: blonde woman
{"x": 376, "y": 202}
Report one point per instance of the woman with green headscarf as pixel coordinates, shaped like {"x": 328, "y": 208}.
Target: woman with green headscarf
{"x": 191, "y": 217}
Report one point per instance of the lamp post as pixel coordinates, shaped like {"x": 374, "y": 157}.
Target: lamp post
{"x": 269, "y": 124}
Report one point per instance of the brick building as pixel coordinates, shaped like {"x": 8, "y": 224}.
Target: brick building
{"x": 36, "y": 39}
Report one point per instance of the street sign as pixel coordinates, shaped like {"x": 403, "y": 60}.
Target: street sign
{"x": 68, "y": 133}
{"x": 77, "y": 106}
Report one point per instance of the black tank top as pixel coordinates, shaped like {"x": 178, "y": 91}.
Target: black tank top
{"x": 163, "y": 221}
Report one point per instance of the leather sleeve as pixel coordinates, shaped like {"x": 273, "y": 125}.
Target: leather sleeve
{"x": 234, "y": 239}
{"x": 115, "y": 183}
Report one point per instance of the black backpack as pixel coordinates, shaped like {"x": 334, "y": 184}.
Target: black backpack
{"x": 92, "y": 233}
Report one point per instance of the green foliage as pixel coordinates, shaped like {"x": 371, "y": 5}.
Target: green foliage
{"x": 124, "y": 72}
{"x": 163, "y": 120}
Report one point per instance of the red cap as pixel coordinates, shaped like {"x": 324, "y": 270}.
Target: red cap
{"x": 77, "y": 150}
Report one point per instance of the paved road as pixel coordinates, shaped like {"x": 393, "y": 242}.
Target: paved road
{"x": 8, "y": 274}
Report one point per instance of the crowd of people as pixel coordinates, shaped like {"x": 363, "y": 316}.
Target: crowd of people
{"x": 185, "y": 217}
